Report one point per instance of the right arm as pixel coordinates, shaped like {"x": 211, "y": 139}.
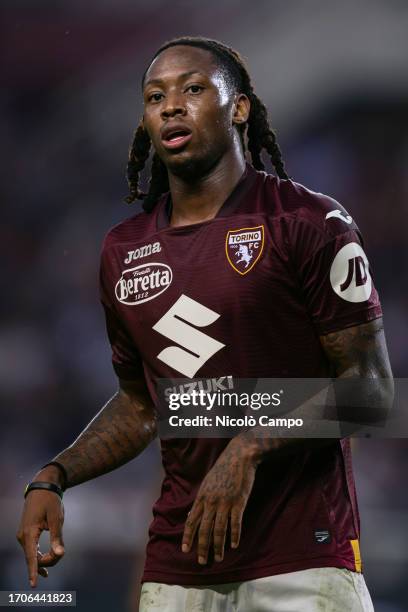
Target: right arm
{"x": 117, "y": 434}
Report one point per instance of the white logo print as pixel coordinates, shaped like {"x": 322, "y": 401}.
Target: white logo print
{"x": 322, "y": 538}
{"x": 143, "y": 251}
{"x": 339, "y": 215}
{"x": 350, "y": 275}
{"x": 143, "y": 283}
{"x": 244, "y": 254}
{"x": 177, "y": 325}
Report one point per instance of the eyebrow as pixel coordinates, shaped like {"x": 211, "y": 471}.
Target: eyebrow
{"x": 184, "y": 75}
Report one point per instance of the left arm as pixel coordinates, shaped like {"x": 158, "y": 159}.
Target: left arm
{"x": 358, "y": 351}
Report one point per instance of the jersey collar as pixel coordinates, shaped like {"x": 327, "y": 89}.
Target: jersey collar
{"x": 229, "y": 206}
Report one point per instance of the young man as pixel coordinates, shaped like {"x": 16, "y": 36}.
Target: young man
{"x": 228, "y": 271}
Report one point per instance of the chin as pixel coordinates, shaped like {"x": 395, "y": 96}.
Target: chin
{"x": 190, "y": 167}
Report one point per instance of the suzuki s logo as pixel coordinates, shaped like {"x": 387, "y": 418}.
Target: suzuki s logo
{"x": 350, "y": 275}
{"x": 179, "y": 325}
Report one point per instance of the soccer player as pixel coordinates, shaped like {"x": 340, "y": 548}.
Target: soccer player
{"x": 228, "y": 271}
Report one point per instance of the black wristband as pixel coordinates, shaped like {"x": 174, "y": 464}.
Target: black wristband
{"x": 47, "y": 486}
{"x": 62, "y": 470}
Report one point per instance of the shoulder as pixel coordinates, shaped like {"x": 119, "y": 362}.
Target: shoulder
{"x": 305, "y": 221}
{"x": 134, "y": 229}
{"x": 302, "y": 206}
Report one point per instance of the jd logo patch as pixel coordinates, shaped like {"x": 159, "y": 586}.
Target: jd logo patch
{"x": 244, "y": 247}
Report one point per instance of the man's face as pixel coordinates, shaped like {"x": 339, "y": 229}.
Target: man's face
{"x": 188, "y": 109}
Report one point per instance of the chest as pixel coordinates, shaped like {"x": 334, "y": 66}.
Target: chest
{"x": 226, "y": 267}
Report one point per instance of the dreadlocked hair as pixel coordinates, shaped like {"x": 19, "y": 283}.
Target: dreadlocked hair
{"x": 260, "y": 136}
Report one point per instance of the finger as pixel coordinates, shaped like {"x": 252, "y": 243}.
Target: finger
{"x": 190, "y": 528}
{"x": 57, "y": 550}
{"x": 220, "y": 533}
{"x": 236, "y": 525}
{"x": 55, "y": 553}
{"x": 41, "y": 570}
{"x": 29, "y": 544}
{"x": 204, "y": 535}
{"x": 49, "y": 559}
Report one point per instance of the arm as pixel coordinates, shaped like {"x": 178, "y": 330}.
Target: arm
{"x": 354, "y": 352}
{"x": 117, "y": 434}
{"x": 358, "y": 351}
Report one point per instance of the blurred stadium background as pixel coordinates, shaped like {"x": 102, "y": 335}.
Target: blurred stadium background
{"x": 334, "y": 77}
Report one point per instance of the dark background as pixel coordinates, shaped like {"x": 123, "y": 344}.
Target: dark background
{"x": 333, "y": 76}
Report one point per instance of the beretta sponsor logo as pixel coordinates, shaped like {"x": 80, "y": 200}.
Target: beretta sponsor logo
{"x": 143, "y": 283}
{"x": 143, "y": 251}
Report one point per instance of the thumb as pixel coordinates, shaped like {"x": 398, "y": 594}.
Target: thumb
{"x": 57, "y": 546}
{"x": 57, "y": 543}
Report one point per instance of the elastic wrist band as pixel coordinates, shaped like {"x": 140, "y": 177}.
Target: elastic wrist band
{"x": 62, "y": 470}
{"x": 47, "y": 486}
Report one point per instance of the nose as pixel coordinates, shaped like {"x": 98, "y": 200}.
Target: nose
{"x": 174, "y": 105}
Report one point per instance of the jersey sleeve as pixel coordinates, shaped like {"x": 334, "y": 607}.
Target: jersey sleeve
{"x": 126, "y": 359}
{"x": 332, "y": 268}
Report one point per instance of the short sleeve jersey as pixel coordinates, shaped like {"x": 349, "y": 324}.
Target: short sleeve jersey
{"x": 246, "y": 294}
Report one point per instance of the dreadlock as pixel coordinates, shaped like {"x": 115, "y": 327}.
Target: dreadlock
{"x": 259, "y": 134}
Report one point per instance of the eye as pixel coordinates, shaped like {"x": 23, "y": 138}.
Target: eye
{"x": 195, "y": 89}
{"x": 155, "y": 97}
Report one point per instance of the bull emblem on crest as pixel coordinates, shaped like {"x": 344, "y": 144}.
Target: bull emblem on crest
{"x": 244, "y": 254}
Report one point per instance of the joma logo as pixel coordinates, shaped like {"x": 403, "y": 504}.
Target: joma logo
{"x": 143, "y": 251}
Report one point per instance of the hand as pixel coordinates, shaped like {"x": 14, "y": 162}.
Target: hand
{"x": 222, "y": 498}
{"x": 43, "y": 511}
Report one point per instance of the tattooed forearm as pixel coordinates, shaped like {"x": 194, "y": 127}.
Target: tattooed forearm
{"x": 358, "y": 352}
{"x": 117, "y": 434}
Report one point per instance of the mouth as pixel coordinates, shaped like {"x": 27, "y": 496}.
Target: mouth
{"x": 175, "y": 138}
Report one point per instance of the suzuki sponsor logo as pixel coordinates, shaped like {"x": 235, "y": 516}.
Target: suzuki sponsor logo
{"x": 143, "y": 283}
{"x": 143, "y": 251}
{"x": 350, "y": 274}
{"x": 179, "y": 325}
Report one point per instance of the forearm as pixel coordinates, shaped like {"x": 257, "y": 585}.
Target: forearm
{"x": 355, "y": 403}
{"x": 257, "y": 443}
{"x": 363, "y": 393}
{"x": 117, "y": 434}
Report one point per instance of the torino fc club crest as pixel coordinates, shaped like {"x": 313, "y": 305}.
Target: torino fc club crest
{"x": 244, "y": 247}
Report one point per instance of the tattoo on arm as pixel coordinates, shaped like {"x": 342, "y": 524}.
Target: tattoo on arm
{"x": 117, "y": 434}
{"x": 359, "y": 352}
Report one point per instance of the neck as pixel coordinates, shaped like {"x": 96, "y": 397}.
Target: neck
{"x": 201, "y": 199}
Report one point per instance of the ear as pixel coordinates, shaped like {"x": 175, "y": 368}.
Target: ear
{"x": 241, "y": 109}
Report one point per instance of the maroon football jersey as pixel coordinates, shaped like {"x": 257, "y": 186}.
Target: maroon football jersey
{"x": 246, "y": 294}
